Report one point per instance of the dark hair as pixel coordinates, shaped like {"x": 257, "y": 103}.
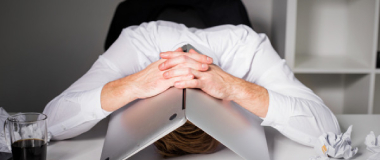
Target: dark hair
{"x": 187, "y": 139}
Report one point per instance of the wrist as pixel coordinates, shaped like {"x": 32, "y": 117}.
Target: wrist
{"x": 252, "y": 97}
{"x": 116, "y": 94}
{"x": 238, "y": 90}
{"x": 129, "y": 88}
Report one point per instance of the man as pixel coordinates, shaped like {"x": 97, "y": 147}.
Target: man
{"x": 238, "y": 64}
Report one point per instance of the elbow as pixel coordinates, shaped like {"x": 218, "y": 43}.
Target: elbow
{"x": 314, "y": 120}
{"x": 317, "y": 115}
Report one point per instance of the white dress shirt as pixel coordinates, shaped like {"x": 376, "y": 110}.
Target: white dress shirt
{"x": 294, "y": 109}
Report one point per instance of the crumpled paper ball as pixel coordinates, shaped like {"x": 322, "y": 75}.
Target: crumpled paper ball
{"x": 372, "y": 143}
{"x": 335, "y": 146}
{"x": 3, "y": 144}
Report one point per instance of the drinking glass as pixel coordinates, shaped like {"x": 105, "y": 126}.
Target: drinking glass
{"x": 28, "y": 135}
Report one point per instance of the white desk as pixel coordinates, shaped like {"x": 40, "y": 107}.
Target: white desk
{"x": 89, "y": 145}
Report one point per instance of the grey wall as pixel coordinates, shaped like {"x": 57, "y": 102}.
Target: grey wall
{"x": 260, "y": 15}
{"x": 46, "y": 45}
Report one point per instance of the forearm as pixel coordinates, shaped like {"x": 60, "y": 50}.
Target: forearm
{"x": 299, "y": 119}
{"x": 274, "y": 94}
{"x": 251, "y": 96}
{"x": 116, "y": 94}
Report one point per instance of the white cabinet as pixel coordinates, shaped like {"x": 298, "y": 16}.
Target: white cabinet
{"x": 331, "y": 45}
{"x": 343, "y": 93}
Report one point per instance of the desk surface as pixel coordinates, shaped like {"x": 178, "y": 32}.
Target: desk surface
{"x": 89, "y": 145}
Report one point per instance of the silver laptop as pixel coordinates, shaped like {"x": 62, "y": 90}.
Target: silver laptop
{"x": 142, "y": 122}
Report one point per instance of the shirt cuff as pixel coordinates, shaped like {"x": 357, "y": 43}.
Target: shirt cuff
{"x": 90, "y": 103}
{"x": 276, "y": 110}
{"x": 105, "y": 112}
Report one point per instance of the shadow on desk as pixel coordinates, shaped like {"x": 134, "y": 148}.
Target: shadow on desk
{"x": 80, "y": 147}
{"x": 98, "y": 131}
{"x": 270, "y": 134}
{"x": 89, "y": 145}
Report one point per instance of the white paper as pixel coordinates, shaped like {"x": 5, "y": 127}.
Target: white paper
{"x": 335, "y": 146}
{"x": 3, "y": 144}
{"x": 372, "y": 143}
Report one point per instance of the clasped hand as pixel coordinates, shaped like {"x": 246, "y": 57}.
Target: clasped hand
{"x": 176, "y": 68}
{"x": 183, "y": 70}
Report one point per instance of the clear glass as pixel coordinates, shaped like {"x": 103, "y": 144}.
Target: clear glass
{"x": 28, "y": 135}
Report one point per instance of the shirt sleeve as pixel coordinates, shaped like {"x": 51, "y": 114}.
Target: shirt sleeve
{"x": 294, "y": 110}
{"x": 78, "y": 108}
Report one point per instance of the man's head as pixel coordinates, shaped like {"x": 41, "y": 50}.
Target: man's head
{"x": 187, "y": 139}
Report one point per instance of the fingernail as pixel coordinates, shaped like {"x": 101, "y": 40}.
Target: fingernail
{"x": 204, "y": 66}
{"x": 209, "y": 59}
{"x": 166, "y": 74}
{"x": 164, "y": 54}
{"x": 161, "y": 66}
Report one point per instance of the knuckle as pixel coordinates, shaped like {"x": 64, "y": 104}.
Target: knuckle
{"x": 175, "y": 79}
{"x": 206, "y": 76}
{"x": 184, "y": 78}
{"x": 195, "y": 83}
{"x": 191, "y": 54}
{"x": 181, "y": 65}
{"x": 183, "y": 58}
{"x": 188, "y": 70}
{"x": 204, "y": 58}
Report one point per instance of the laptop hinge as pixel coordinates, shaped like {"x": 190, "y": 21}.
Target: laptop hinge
{"x": 183, "y": 99}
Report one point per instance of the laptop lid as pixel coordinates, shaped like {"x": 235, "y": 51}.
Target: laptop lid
{"x": 230, "y": 124}
{"x": 233, "y": 126}
{"x": 141, "y": 123}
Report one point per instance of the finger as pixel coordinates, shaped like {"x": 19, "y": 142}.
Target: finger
{"x": 166, "y": 54}
{"x": 193, "y": 51}
{"x": 183, "y": 61}
{"x": 192, "y": 54}
{"x": 180, "y": 72}
{"x": 193, "y": 83}
{"x": 178, "y": 50}
{"x": 180, "y": 78}
{"x": 207, "y": 59}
